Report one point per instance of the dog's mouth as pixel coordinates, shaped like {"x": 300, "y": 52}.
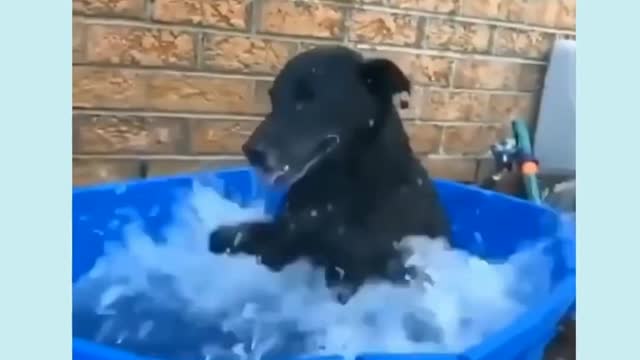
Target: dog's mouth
{"x": 288, "y": 174}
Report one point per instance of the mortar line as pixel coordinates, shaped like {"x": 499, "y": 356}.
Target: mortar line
{"x": 461, "y": 123}
{"x": 254, "y": 16}
{"x": 492, "y": 41}
{"x": 290, "y": 38}
{"x": 442, "y": 138}
{"x": 481, "y": 91}
{"x": 249, "y": 117}
{"x": 178, "y": 71}
{"x": 455, "y": 17}
{"x": 85, "y": 44}
{"x": 452, "y": 74}
{"x": 221, "y": 156}
{"x": 421, "y": 41}
{"x": 199, "y": 51}
{"x": 238, "y": 156}
{"x": 193, "y": 71}
{"x": 168, "y": 114}
{"x": 449, "y": 54}
{"x": 148, "y": 10}
{"x": 347, "y": 13}
{"x": 459, "y": 156}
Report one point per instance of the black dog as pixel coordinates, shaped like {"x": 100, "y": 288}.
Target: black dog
{"x": 356, "y": 189}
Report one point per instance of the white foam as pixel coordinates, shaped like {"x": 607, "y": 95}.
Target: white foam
{"x": 464, "y": 300}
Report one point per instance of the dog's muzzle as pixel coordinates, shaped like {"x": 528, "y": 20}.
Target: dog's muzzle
{"x": 280, "y": 172}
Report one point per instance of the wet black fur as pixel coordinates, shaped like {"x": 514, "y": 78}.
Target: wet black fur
{"x": 345, "y": 213}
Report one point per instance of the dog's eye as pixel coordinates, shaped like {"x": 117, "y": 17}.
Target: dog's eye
{"x": 303, "y": 92}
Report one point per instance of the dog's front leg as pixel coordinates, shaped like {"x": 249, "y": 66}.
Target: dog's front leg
{"x": 246, "y": 238}
{"x": 265, "y": 240}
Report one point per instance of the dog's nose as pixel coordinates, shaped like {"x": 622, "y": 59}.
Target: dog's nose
{"x": 258, "y": 156}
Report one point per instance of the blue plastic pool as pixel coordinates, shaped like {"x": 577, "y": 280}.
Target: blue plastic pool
{"x": 503, "y": 222}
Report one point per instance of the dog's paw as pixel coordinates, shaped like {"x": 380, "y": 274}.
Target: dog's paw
{"x": 226, "y": 239}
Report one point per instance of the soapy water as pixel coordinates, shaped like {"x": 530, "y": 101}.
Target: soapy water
{"x": 175, "y": 300}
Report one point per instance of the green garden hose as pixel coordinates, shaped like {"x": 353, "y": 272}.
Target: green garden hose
{"x": 529, "y": 167}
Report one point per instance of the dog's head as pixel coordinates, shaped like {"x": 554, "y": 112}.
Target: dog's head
{"x": 321, "y": 101}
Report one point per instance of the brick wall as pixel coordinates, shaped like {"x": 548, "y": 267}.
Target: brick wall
{"x": 161, "y": 86}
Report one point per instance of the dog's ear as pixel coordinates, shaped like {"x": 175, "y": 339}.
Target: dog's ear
{"x": 384, "y": 79}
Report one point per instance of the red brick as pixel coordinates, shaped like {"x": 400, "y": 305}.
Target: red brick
{"x": 245, "y": 54}
{"x": 522, "y": 43}
{"x": 567, "y": 14}
{"x": 468, "y": 139}
{"x": 383, "y": 28}
{"x": 222, "y": 14}
{"x": 104, "y": 134}
{"x": 484, "y": 74}
{"x": 262, "y": 102}
{"x": 164, "y": 167}
{"x": 546, "y": 13}
{"x": 510, "y": 10}
{"x": 220, "y": 136}
{"x": 124, "y": 8}
{"x": 433, "y": 70}
{"x": 541, "y": 13}
{"x": 94, "y": 171}
{"x": 425, "y": 138}
{"x": 505, "y": 108}
{"x": 439, "y": 6}
{"x": 107, "y": 88}
{"x": 445, "y": 105}
{"x": 457, "y": 36}
{"x": 531, "y": 77}
{"x": 79, "y": 42}
{"x": 497, "y": 75}
{"x": 140, "y": 46}
{"x": 199, "y": 93}
{"x": 301, "y": 18}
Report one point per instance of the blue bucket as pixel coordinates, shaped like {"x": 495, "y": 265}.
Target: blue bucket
{"x": 505, "y": 224}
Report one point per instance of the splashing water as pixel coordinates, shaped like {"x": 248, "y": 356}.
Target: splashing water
{"x": 174, "y": 300}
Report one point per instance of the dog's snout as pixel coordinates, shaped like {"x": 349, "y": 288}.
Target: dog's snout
{"x": 258, "y": 156}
